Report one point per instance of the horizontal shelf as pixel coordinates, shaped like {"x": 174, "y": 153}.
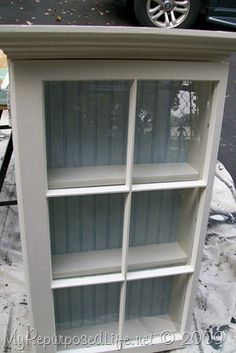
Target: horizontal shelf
{"x": 160, "y": 272}
{"x": 60, "y": 178}
{"x": 148, "y": 326}
{"x": 124, "y": 189}
{"x": 86, "y": 281}
{"x": 154, "y": 255}
{"x": 151, "y": 173}
{"x": 85, "y": 176}
{"x": 88, "y": 191}
{"x": 109, "y": 261}
{"x": 175, "y": 185}
{"x": 118, "y": 277}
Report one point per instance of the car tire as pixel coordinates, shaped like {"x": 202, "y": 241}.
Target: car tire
{"x": 142, "y": 7}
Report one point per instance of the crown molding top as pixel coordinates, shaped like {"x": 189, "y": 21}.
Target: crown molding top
{"x": 93, "y": 42}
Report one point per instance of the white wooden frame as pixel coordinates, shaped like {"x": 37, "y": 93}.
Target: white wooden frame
{"x": 28, "y": 123}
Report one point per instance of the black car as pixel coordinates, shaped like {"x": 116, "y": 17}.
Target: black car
{"x": 181, "y": 13}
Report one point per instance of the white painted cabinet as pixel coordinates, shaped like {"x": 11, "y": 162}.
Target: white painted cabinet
{"x": 116, "y": 134}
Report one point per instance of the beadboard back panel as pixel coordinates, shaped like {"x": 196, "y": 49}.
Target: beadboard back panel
{"x": 148, "y": 297}
{"x": 99, "y": 304}
{"x": 87, "y": 306}
{"x": 169, "y": 117}
{"x": 86, "y": 223}
{"x": 86, "y": 123}
{"x": 154, "y": 217}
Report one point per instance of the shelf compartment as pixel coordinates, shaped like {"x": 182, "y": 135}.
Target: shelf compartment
{"x": 60, "y": 178}
{"x": 86, "y": 223}
{"x": 86, "y": 126}
{"x": 154, "y": 305}
{"x": 87, "y": 310}
{"x": 163, "y": 217}
{"x": 172, "y": 124}
{"x": 109, "y": 261}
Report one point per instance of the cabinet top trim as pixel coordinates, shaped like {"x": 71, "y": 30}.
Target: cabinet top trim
{"x": 61, "y": 42}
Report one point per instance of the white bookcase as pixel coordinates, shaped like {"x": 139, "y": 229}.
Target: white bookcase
{"x": 116, "y": 133}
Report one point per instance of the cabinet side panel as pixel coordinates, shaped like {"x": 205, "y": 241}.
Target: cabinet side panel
{"x": 205, "y": 199}
{"x": 28, "y": 136}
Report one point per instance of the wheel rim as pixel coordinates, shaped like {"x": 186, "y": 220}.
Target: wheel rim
{"x": 168, "y": 13}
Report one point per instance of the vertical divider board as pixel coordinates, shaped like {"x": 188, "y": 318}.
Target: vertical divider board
{"x": 128, "y": 201}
